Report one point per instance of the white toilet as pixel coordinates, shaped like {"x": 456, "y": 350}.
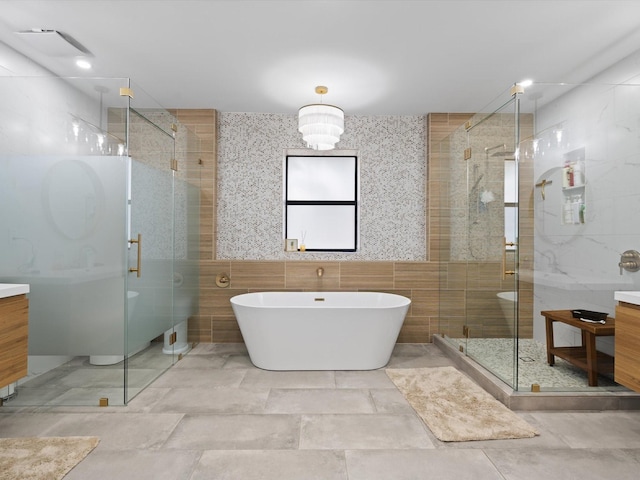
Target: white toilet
{"x": 132, "y": 299}
{"x": 181, "y": 345}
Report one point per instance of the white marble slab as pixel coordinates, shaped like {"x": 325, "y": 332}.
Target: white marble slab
{"x": 12, "y": 289}
{"x": 629, "y": 297}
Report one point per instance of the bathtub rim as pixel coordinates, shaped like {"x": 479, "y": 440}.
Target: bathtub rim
{"x": 236, "y": 299}
{"x": 509, "y": 296}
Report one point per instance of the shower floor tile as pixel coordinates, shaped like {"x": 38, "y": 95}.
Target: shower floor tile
{"x": 496, "y": 355}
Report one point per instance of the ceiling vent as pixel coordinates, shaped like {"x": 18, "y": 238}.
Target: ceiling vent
{"x": 54, "y": 43}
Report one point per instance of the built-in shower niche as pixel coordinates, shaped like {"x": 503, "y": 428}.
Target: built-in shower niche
{"x": 573, "y": 188}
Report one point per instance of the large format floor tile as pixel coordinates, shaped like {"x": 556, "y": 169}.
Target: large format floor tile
{"x": 420, "y": 464}
{"x": 319, "y": 400}
{"x": 290, "y": 379}
{"x": 213, "y": 400}
{"x": 118, "y": 431}
{"x": 236, "y": 432}
{"x": 271, "y": 465}
{"x": 348, "y": 432}
{"x": 215, "y": 416}
{"x": 136, "y": 464}
{"x": 585, "y": 464}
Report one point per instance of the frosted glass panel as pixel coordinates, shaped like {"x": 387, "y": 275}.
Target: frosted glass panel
{"x": 510, "y": 225}
{"x": 64, "y": 222}
{"x": 510, "y": 182}
{"x": 324, "y": 227}
{"x": 152, "y": 217}
{"x": 321, "y": 178}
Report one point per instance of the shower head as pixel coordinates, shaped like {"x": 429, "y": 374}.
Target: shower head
{"x": 490, "y": 149}
{"x": 503, "y": 153}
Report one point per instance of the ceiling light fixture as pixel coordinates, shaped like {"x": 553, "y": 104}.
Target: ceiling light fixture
{"x": 321, "y": 125}
{"x": 82, "y": 63}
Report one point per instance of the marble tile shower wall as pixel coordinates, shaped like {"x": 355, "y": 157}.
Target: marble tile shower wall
{"x": 577, "y": 264}
{"x": 392, "y": 183}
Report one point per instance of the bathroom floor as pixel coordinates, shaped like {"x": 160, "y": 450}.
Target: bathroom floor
{"x": 215, "y": 416}
{"x": 77, "y": 382}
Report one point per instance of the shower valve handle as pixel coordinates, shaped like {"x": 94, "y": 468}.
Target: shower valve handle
{"x": 629, "y": 261}
{"x": 629, "y": 266}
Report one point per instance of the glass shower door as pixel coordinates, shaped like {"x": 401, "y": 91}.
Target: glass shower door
{"x": 492, "y": 242}
{"x": 150, "y": 249}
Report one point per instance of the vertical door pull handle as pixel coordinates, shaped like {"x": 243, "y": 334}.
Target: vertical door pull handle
{"x": 138, "y": 267}
{"x": 506, "y": 272}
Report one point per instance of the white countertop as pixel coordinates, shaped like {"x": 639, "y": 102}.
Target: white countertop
{"x": 12, "y": 289}
{"x": 629, "y": 297}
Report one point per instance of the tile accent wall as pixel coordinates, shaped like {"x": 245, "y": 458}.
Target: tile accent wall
{"x": 202, "y": 153}
{"x": 250, "y": 177}
{"x": 436, "y": 286}
{"x": 468, "y": 287}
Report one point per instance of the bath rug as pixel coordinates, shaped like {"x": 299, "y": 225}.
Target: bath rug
{"x": 42, "y": 458}
{"x": 455, "y": 408}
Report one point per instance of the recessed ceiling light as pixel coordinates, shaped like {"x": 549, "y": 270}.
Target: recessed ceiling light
{"x": 84, "y": 64}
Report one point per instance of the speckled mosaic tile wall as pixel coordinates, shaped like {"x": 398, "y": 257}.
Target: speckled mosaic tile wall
{"x": 392, "y": 181}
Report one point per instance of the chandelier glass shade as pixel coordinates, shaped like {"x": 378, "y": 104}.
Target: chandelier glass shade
{"x": 321, "y": 125}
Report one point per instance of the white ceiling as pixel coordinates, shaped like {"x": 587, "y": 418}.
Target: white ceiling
{"x": 376, "y": 57}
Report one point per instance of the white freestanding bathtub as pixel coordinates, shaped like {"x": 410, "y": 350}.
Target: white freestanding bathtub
{"x": 320, "y": 330}
{"x": 508, "y": 304}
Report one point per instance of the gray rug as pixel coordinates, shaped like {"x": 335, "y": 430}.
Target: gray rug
{"x": 455, "y": 408}
{"x": 42, "y": 458}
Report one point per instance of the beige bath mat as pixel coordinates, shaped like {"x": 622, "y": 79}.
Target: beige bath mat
{"x": 455, "y": 408}
{"x": 42, "y": 458}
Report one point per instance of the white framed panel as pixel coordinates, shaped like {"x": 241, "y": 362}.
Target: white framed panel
{"x": 321, "y": 178}
{"x": 323, "y": 227}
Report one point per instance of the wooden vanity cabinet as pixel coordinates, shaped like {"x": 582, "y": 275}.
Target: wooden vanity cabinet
{"x": 627, "y": 359}
{"x": 14, "y": 335}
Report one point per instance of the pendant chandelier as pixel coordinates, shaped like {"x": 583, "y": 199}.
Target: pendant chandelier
{"x": 321, "y": 125}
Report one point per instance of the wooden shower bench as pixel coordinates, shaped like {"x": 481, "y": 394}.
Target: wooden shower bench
{"x": 584, "y": 356}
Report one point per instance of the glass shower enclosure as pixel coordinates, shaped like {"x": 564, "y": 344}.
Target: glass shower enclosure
{"x": 100, "y": 199}
{"x": 482, "y": 235}
{"x": 541, "y": 189}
